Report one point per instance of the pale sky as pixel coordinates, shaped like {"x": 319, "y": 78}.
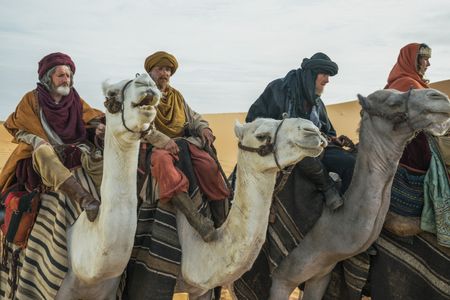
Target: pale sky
{"x": 228, "y": 50}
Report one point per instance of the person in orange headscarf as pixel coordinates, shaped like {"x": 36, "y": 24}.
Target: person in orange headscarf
{"x": 408, "y": 73}
{"x": 52, "y": 115}
{"x": 181, "y": 132}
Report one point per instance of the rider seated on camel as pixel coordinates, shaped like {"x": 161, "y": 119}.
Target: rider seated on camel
{"x": 297, "y": 95}
{"x": 52, "y": 126}
{"x": 181, "y": 135}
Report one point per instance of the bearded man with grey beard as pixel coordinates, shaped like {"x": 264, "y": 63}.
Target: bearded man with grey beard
{"x": 50, "y": 128}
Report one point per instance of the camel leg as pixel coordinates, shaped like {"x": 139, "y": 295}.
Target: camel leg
{"x": 315, "y": 287}
{"x": 65, "y": 291}
{"x": 195, "y": 293}
{"x": 206, "y": 296}
{"x": 71, "y": 287}
{"x": 281, "y": 289}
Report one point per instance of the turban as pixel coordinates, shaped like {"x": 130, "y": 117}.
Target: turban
{"x": 320, "y": 63}
{"x": 55, "y": 59}
{"x": 161, "y": 59}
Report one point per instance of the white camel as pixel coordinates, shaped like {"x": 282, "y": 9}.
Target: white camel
{"x": 99, "y": 251}
{"x": 240, "y": 238}
{"x": 390, "y": 119}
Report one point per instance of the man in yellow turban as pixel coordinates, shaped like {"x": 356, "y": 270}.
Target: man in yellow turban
{"x": 182, "y": 134}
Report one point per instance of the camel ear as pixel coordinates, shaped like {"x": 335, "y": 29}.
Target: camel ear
{"x": 105, "y": 86}
{"x": 362, "y": 101}
{"x": 238, "y": 130}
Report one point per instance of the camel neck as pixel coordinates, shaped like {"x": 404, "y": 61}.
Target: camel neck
{"x": 240, "y": 237}
{"x": 108, "y": 240}
{"x": 368, "y": 197}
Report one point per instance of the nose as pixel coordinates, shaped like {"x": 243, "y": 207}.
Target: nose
{"x": 312, "y": 130}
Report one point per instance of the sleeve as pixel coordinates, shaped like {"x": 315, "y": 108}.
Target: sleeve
{"x": 195, "y": 120}
{"x": 28, "y": 138}
{"x": 90, "y": 113}
{"x": 91, "y": 126}
{"x": 156, "y": 138}
{"x": 327, "y": 126}
{"x": 266, "y": 105}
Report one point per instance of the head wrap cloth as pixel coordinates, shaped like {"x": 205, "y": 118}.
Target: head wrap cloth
{"x": 52, "y": 60}
{"x": 161, "y": 59}
{"x": 320, "y": 63}
{"x": 404, "y": 74}
{"x": 302, "y": 82}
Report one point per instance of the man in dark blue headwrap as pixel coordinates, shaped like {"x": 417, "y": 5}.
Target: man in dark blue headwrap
{"x": 297, "y": 95}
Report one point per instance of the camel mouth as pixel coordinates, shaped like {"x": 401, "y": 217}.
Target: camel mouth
{"x": 317, "y": 144}
{"x": 439, "y": 129}
{"x": 147, "y": 102}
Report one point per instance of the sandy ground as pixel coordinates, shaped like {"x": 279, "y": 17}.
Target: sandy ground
{"x": 345, "y": 114}
{"x": 345, "y": 118}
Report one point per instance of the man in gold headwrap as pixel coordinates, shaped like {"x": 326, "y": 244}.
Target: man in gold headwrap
{"x": 177, "y": 125}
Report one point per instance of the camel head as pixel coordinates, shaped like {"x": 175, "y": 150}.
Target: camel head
{"x": 268, "y": 142}
{"x": 415, "y": 110}
{"x": 131, "y": 104}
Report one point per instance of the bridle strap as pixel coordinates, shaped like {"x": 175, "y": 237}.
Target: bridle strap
{"x": 275, "y": 145}
{"x": 142, "y": 133}
{"x": 397, "y": 118}
{"x": 267, "y": 148}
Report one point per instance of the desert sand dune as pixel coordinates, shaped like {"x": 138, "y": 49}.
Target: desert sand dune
{"x": 345, "y": 118}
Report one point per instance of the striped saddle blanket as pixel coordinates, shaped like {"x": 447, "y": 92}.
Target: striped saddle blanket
{"x": 38, "y": 271}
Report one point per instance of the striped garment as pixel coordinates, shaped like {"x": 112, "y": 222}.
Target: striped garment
{"x": 43, "y": 264}
{"x": 155, "y": 262}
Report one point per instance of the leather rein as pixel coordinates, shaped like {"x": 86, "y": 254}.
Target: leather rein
{"x": 142, "y": 133}
{"x": 267, "y": 148}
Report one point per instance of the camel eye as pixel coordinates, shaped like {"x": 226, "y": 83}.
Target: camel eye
{"x": 262, "y": 137}
{"x": 112, "y": 94}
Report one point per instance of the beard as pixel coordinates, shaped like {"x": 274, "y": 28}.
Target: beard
{"x": 162, "y": 83}
{"x": 62, "y": 90}
{"x": 319, "y": 90}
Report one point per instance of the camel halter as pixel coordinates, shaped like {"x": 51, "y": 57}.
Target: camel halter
{"x": 397, "y": 118}
{"x": 142, "y": 133}
{"x": 267, "y": 148}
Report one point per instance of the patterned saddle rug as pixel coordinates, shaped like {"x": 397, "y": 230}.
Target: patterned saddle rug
{"x": 38, "y": 271}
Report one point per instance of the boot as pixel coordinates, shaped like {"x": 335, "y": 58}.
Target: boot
{"x": 203, "y": 225}
{"x": 218, "y": 211}
{"x": 332, "y": 197}
{"x": 73, "y": 189}
{"x": 314, "y": 170}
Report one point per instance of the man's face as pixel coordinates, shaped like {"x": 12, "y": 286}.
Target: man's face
{"x": 321, "y": 81}
{"x": 423, "y": 64}
{"x": 61, "y": 80}
{"x": 161, "y": 76}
